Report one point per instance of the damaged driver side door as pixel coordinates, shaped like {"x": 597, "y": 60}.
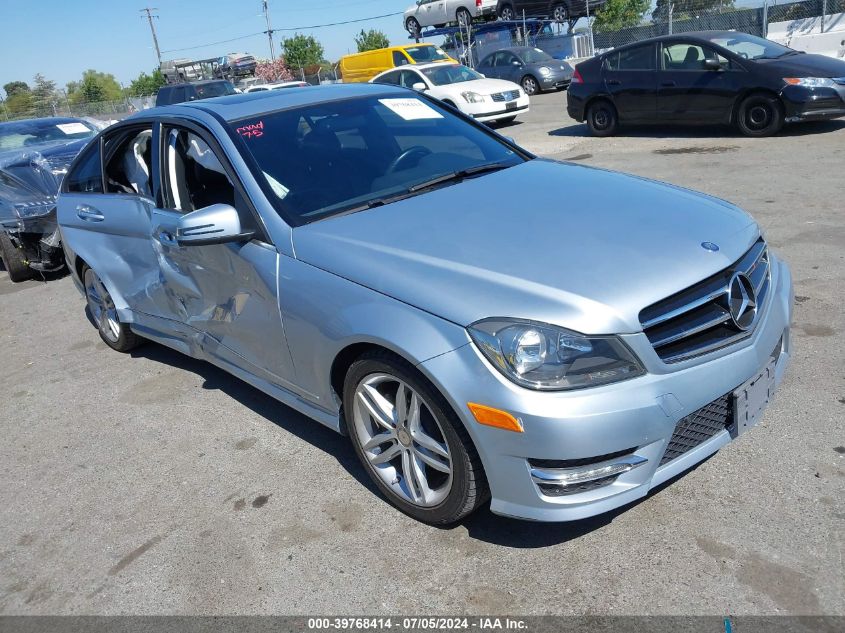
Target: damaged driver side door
{"x": 224, "y": 293}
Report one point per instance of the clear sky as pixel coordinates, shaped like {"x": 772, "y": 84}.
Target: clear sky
{"x": 62, "y": 38}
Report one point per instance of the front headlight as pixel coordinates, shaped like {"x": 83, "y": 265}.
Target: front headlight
{"x": 549, "y": 358}
{"x": 35, "y": 208}
{"x": 810, "y": 82}
{"x": 472, "y": 97}
{"x": 545, "y": 71}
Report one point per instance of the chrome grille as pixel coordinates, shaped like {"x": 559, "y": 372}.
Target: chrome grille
{"x": 505, "y": 96}
{"x": 699, "y": 426}
{"x": 697, "y": 320}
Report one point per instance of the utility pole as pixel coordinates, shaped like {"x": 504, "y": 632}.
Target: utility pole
{"x": 150, "y": 16}
{"x": 269, "y": 30}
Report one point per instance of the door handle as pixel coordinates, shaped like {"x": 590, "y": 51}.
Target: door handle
{"x": 668, "y": 84}
{"x": 614, "y": 82}
{"x": 89, "y": 214}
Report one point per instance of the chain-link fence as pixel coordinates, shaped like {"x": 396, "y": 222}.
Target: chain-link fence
{"x": 60, "y": 105}
{"x": 720, "y": 15}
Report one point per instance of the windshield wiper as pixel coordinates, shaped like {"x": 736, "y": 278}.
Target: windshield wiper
{"x": 457, "y": 176}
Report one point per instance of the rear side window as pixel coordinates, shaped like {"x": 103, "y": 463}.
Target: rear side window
{"x": 87, "y": 174}
{"x": 638, "y": 58}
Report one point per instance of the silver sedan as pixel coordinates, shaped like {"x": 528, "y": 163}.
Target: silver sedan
{"x": 365, "y": 255}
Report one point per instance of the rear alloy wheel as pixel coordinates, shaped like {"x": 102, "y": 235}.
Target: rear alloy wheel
{"x": 412, "y": 26}
{"x": 13, "y": 260}
{"x": 410, "y": 441}
{"x": 463, "y": 17}
{"x": 560, "y": 13}
{"x": 114, "y": 333}
{"x": 760, "y": 115}
{"x": 506, "y": 13}
{"x": 602, "y": 118}
{"x": 530, "y": 85}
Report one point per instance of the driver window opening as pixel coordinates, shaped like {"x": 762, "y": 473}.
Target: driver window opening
{"x": 128, "y": 171}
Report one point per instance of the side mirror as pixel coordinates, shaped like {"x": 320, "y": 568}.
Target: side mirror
{"x": 419, "y": 87}
{"x": 712, "y": 64}
{"x": 214, "y": 224}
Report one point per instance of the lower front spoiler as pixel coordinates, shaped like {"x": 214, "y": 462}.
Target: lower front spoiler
{"x": 816, "y": 115}
{"x": 501, "y": 114}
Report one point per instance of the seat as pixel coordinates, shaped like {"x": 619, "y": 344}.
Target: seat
{"x": 692, "y": 60}
{"x": 136, "y": 165}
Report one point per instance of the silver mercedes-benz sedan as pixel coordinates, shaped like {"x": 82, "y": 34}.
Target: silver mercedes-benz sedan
{"x": 369, "y": 257}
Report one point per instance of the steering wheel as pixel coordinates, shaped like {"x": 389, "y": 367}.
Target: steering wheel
{"x": 398, "y": 163}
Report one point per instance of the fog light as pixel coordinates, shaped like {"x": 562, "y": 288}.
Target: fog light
{"x": 591, "y": 472}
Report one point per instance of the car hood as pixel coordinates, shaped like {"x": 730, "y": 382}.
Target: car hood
{"x": 806, "y": 66}
{"x": 575, "y": 246}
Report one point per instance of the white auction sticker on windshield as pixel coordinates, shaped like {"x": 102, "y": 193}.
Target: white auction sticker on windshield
{"x": 411, "y": 109}
{"x": 73, "y": 128}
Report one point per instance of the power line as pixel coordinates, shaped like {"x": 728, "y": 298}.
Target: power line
{"x": 269, "y": 32}
{"x": 150, "y": 16}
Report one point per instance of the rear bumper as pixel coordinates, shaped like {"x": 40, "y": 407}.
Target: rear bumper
{"x": 634, "y": 420}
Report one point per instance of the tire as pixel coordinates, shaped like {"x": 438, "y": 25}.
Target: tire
{"x": 103, "y": 313}
{"x": 560, "y": 13}
{"x": 14, "y": 260}
{"x": 760, "y": 115}
{"x": 412, "y": 26}
{"x": 506, "y": 13}
{"x": 602, "y": 118}
{"x": 430, "y": 494}
{"x": 530, "y": 85}
{"x": 463, "y": 17}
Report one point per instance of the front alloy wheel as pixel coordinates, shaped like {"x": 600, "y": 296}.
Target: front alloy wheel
{"x": 410, "y": 442}
{"x": 506, "y": 13}
{"x": 560, "y": 13}
{"x": 530, "y": 85}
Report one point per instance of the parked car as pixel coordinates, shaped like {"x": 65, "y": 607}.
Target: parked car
{"x": 486, "y": 100}
{"x": 425, "y": 13}
{"x": 706, "y": 77}
{"x": 34, "y": 156}
{"x": 558, "y": 10}
{"x": 276, "y": 86}
{"x": 235, "y": 65}
{"x": 178, "y": 70}
{"x": 533, "y": 69}
{"x": 361, "y": 67}
{"x": 179, "y": 93}
{"x": 365, "y": 255}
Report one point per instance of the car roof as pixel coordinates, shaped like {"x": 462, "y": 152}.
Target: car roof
{"x": 688, "y": 35}
{"x": 202, "y": 82}
{"x": 248, "y": 104}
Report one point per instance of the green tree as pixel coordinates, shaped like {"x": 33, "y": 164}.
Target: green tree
{"x": 14, "y": 87}
{"x": 146, "y": 84}
{"x": 683, "y": 9}
{"x": 19, "y": 104}
{"x": 94, "y": 87}
{"x": 43, "y": 95}
{"x": 371, "y": 40}
{"x": 302, "y": 51}
{"x": 620, "y": 14}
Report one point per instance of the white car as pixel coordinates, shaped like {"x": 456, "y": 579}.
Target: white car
{"x": 441, "y": 12}
{"x": 276, "y": 86}
{"x": 470, "y": 92}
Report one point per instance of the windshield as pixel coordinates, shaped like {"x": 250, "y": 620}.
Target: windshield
{"x": 23, "y": 134}
{"x": 422, "y": 54}
{"x": 535, "y": 56}
{"x": 329, "y": 158}
{"x": 450, "y": 74}
{"x": 216, "y": 89}
{"x": 751, "y": 46}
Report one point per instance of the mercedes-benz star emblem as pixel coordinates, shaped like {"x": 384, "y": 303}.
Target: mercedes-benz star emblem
{"x": 742, "y": 301}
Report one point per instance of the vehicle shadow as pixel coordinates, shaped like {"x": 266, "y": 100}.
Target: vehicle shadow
{"x": 498, "y": 530}
{"x": 698, "y": 131}
{"x": 272, "y": 410}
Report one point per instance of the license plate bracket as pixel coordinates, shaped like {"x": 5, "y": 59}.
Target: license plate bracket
{"x": 511, "y": 105}
{"x": 751, "y": 398}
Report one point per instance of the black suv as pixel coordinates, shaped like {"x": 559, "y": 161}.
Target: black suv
{"x": 557, "y": 10}
{"x": 179, "y": 93}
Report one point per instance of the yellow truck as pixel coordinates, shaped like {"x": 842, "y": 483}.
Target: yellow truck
{"x": 362, "y": 67}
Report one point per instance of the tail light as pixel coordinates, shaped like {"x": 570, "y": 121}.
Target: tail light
{"x": 576, "y": 77}
{"x": 477, "y": 4}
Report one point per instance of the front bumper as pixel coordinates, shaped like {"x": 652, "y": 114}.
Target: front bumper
{"x": 813, "y": 104}
{"x": 555, "y": 81}
{"x": 487, "y": 111}
{"x": 637, "y": 417}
